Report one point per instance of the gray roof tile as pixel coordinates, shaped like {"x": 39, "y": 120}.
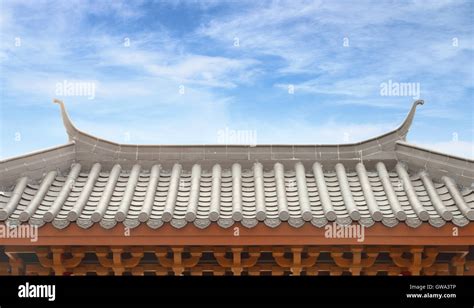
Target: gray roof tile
{"x": 197, "y": 196}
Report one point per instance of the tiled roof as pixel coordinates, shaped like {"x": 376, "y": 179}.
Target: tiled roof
{"x": 227, "y": 195}
{"x": 382, "y": 180}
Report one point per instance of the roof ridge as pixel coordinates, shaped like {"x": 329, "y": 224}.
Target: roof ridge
{"x": 379, "y": 147}
{"x": 400, "y": 132}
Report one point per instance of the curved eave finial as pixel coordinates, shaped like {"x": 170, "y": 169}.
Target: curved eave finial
{"x": 405, "y": 127}
{"x": 70, "y": 128}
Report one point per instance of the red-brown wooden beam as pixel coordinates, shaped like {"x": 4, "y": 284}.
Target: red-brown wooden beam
{"x": 259, "y": 235}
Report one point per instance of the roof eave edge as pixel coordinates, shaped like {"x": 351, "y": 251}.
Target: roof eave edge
{"x": 405, "y": 126}
{"x": 428, "y": 150}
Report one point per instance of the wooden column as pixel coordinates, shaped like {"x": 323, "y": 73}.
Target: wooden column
{"x": 295, "y": 263}
{"x": 117, "y": 264}
{"x": 356, "y": 264}
{"x": 416, "y": 263}
{"x": 4, "y": 269}
{"x": 17, "y": 265}
{"x": 176, "y": 263}
{"x": 457, "y": 263}
{"x": 236, "y": 264}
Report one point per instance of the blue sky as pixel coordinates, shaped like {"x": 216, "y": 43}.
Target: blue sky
{"x": 193, "y": 69}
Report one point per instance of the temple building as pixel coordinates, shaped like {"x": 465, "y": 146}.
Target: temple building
{"x": 377, "y": 207}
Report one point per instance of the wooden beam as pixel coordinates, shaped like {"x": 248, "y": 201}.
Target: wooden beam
{"x": 260, "y": 235}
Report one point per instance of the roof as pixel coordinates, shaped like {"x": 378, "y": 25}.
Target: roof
{"x": 91, "y": 181}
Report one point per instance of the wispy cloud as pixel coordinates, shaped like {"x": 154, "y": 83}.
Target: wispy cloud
{"x": 169, "y": 65}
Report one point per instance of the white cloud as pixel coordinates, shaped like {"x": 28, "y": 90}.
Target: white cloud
{"x": 207, "y": 71}
{"x": 356, "y": 87}
{"x": 264, "y": 29}
{"x": 306, "y": 35}
{"x": 150, "y": 54}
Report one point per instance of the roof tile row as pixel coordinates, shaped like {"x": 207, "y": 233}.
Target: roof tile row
{"x": 226, "y": 196}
